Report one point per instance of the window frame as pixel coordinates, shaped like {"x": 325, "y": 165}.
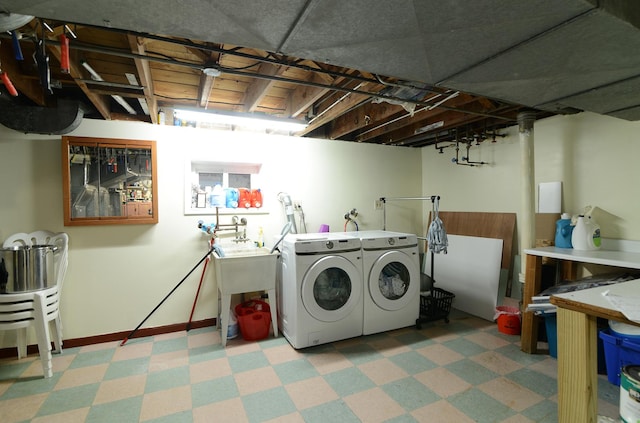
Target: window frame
{"x": 196, "y": 166}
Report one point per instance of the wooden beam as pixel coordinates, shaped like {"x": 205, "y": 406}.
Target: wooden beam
{"x": 368, "y": 115}
{"x": 259, "y": 87}
{"x": 343, "y": 103}
{"x": 204, "y": 89}
{"x": 304, "y": 96}
{"x": 407, "y": 127}
{"x": 206, "y": 82}
{"x": 144, "y": 75}
{"x": 530, "y": 322}
{"x": 99, "y": 102}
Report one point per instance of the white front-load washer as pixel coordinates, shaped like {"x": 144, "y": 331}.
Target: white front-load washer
{"x": 391, "y": 271}
{"x": 320, "y": 291}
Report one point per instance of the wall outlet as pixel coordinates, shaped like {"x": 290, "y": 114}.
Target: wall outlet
{"x": 378, "y": 204}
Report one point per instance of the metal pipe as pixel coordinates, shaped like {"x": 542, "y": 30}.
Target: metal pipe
{"x": 234, "y": 52}
{"x": 332, "y": 105}
{"x": 430, "y": 198}
{"x": 111, "y": 84}
{"x": 472, "y": 162}
{"x": 360, "y": 135}
{"x": 384, "y": 200}
{"x": 121, "y": 101}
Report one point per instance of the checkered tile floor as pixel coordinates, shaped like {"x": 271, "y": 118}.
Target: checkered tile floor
{"x": 464, "y": 371}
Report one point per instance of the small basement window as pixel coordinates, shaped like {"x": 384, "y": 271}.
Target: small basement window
{"x": 206, "y": 181}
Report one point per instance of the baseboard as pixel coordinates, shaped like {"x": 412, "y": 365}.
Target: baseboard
{"x": 110, "y": 337}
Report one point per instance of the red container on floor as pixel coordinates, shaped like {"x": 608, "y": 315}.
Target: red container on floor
{"x": 508, "y": 320}
{"x": 254, "y": 319}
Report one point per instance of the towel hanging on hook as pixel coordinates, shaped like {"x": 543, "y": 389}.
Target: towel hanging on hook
{"x": 437, "y": 236}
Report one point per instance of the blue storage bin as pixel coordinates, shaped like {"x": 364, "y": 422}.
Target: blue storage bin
{"x": 551, "y": 326}
{"x": 618, "y": 352}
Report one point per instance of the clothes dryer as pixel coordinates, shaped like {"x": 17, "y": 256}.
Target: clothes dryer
{"x": 391, "y": 271}
{"x": 320, "y": 290}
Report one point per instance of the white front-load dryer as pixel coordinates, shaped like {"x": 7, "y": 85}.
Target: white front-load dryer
{"x": 320, "y": 292}
{"x": 391, "y": 270}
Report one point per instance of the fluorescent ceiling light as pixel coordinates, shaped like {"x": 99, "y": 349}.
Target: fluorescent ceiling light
{"x": 134, "y": 81}
{"x": 246, "y": 120}
{"x": 96, "y": 77}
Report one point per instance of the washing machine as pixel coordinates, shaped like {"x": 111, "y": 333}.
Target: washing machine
{"x": 320, "y": 290}
{"x": 391, "y": 271}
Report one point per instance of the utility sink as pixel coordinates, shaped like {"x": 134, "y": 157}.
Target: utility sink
{"x": 245, "y": 270}
{"x": 245, "y": 252}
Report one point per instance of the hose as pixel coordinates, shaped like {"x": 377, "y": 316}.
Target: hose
{"x": 285, "y": 230}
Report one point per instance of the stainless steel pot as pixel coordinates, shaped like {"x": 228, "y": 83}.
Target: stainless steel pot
{"x": 24, "y": 269}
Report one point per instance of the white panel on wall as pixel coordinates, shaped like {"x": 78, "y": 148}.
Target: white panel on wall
{"x": 550, "y": 197}
{"x": 471, "y": 271}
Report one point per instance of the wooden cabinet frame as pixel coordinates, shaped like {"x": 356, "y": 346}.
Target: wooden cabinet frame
{"x": 134, "y": 192}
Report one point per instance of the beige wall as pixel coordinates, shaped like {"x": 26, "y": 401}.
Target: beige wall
{"x": 118, "y": 274}
{"x": 595, "y": 157}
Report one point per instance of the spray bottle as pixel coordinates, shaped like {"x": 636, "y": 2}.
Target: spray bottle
{"x": 260, "y": 242}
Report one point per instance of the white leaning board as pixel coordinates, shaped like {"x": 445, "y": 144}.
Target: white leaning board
{"x": 471, "y": 271}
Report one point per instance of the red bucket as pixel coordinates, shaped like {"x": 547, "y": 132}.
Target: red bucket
{"x": 254, "y": 319}
{"x": 508, "y": 319}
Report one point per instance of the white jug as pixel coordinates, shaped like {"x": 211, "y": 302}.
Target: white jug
{"x": 586, "y": 235}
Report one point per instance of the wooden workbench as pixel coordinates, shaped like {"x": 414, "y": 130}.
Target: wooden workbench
{"x": 577, "y": 334}
{"x": 569, "y": 258}
{"x": 576, "y": 324}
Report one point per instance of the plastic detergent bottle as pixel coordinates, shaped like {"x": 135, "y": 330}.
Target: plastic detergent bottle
{"x": 218, "y": 197}
{"x": 244, "y": 198}
{"x": 594, "y": 229}
{"x": 232, "y": 198}
{"x": 586, "y": 235}
{"x": 256, "y": 198}
{"x": 564, "y": 231}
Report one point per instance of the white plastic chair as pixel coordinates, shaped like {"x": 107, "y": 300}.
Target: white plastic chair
{"x": 38, "y": 308}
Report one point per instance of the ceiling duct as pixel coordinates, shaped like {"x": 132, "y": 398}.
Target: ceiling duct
{"x": 11, "y": 21}
{"x": 410, "y": 94}
{"x": 62, "y": 119}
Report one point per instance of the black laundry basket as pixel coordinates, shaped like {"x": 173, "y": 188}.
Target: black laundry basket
{"x": 435, "y": 305}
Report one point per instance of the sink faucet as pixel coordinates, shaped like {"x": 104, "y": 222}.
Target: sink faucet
{"x": 243, "y": 237}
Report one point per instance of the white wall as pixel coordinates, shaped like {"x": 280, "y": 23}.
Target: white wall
{"x": 594, "y": 156}
{"x": 119, "y": 273}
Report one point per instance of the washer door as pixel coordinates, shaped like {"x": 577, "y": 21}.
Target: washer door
{"x": 394, "y": 280}
{"x": 331, "y": 288}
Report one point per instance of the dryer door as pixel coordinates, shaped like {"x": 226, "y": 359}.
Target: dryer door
{"x": 331, "y": 288}
{"x": 394, "y": 280}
